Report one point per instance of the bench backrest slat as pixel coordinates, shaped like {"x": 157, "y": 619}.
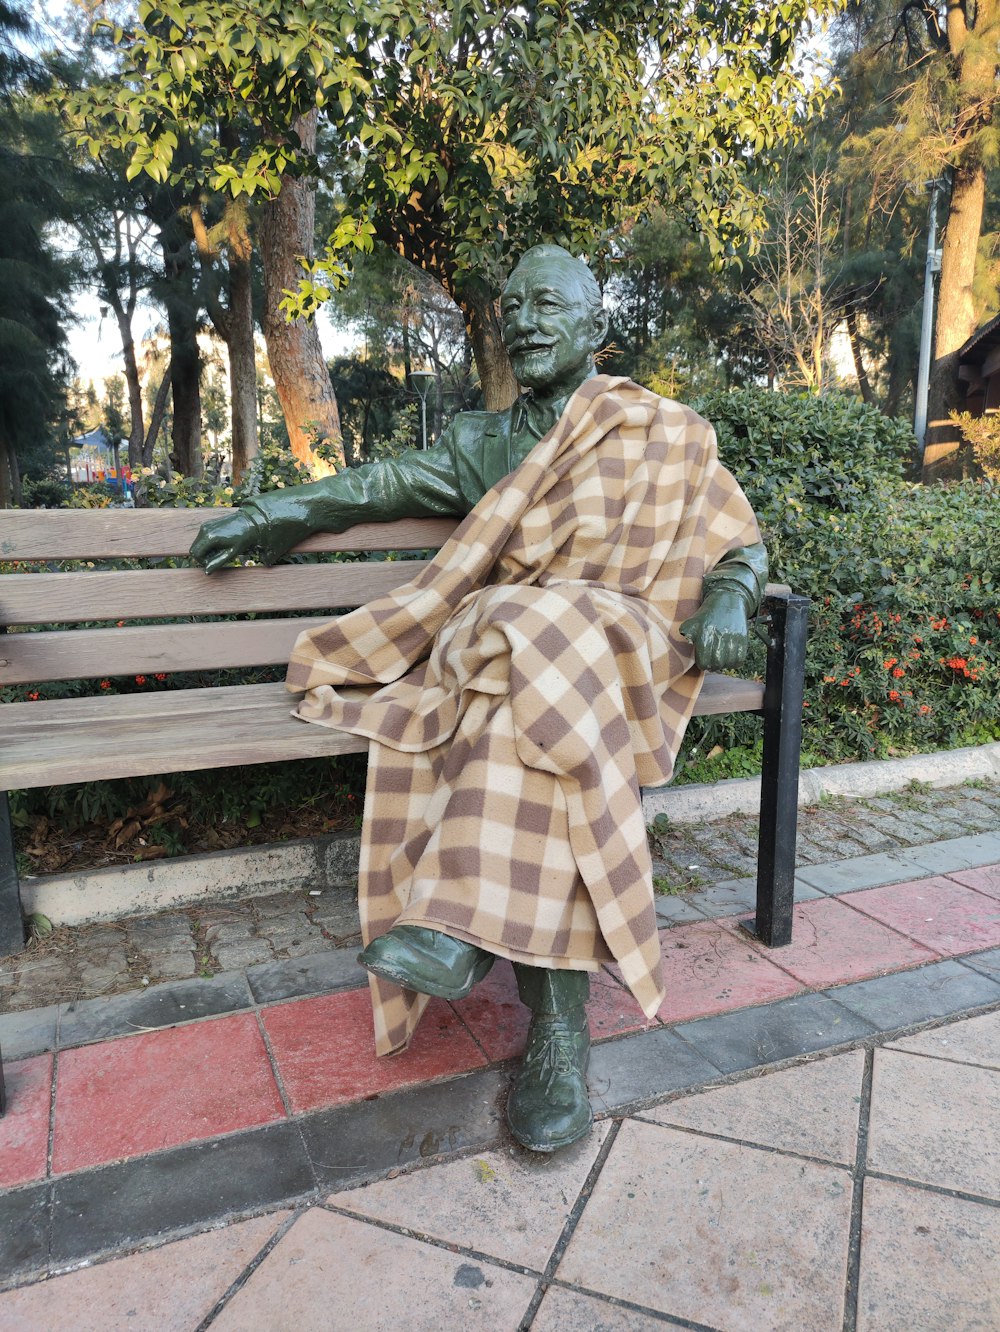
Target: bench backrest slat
{"x": 88, "y": 654}
{"x": 112, "y": 534}
{"x": 70, "y": 598}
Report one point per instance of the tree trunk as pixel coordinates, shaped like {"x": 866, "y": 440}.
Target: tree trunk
{"x": 185, "y": 358}
{"x": 6, "y": 474}
{"x": 859, "y": 365}
{"x": 483, "y": 327}
{"x": 242, "y": 364}
{"x": 300, "y": 375}
{"x": 956, "y": 315}
{"x": 137, "y": 428}
{"x": 973, "y": 57}
{"x": 155, "y": 420}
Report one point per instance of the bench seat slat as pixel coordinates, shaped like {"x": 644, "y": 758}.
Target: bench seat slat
{"x": 134, "y": 735}
{"x": 71, "y": 598}
{"x": 102, "y": 534}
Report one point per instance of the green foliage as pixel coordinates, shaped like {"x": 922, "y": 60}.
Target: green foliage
{"x": 46, "y": 493}
{"x": 983, "y": 433}
{"x": 904, "y": 650}
{"x": 481, "y": 129}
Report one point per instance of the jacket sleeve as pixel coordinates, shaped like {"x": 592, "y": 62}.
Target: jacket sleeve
{"x": 420, "y": 483}
{"x": 742, "y": 570}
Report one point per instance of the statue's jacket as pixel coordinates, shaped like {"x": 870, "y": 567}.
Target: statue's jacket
{"x": 522, "y": 688}
{"x": 476, "y": 451}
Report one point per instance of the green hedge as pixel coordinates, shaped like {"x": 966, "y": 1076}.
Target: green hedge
{"x": 904, "y": 641}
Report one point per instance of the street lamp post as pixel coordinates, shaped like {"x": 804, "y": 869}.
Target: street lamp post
{"x": 932, "y": 266}
{"x": 422, "y": 381}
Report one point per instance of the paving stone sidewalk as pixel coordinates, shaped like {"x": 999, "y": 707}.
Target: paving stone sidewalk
{"x": 695, "y": 866}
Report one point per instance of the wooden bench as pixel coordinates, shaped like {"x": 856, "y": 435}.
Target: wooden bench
{"x": 48, "y": 620}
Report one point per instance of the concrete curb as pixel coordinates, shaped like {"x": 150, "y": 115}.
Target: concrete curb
{"x": 90, "y": 896}
{"x": 706, "y": 802}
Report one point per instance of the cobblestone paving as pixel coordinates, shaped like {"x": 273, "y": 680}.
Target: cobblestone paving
{"x": 89, "y": 961}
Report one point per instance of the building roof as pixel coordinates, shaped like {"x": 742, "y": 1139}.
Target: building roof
{"x": 981, "y": 341}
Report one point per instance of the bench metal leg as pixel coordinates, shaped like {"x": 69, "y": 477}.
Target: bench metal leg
{"x": 779, "y": 794}
{"x": 11, "y": 918}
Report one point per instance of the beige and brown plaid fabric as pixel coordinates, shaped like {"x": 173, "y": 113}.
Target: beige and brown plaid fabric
{"x": 523, "y": 686}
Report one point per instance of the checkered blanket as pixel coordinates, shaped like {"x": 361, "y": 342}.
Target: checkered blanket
{"x": 520, "y": 690}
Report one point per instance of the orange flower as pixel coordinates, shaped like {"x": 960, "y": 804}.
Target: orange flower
{"x": 140, "y": 679}
{"x": 890, "y": 662}
{"x": 925, "y": 708}
{"x": 898, "y": 673}
{"x": 973, "y": 640}
{"x": 33, "y": 695}
{"x": 160, "y": 675}
{"x": 105, "y": 684}
{"x": 893, "y": 695}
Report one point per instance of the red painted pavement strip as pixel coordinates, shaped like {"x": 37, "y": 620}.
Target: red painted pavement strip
{"x": 499, "y": 1021}
{"x": 946, "y": 916}
{"x": 324, "y": 1050}
{"x": 985, "y": 880}
{"x": 160, "y": 1089}
{"x": 142, "y": 1093}
{"x": 713, "y": 967}
{"x": 24, "y": 1129}
{"x": 832, "y": 944}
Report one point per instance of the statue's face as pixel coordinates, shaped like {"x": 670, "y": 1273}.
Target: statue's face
{"x": 549, "y": 328}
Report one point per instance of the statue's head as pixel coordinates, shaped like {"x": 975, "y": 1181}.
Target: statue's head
{"x": 553, "y": 320}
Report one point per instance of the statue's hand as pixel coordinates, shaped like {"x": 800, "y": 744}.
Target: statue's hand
{"x": 224, "y": 539}
{"x": 719, "y": 630}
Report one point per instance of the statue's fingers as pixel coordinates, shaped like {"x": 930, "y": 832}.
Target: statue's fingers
{"x": 200, "y": 546}
{"x": 220, "y": 558}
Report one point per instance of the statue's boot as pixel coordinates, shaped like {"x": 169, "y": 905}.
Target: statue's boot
{"x": 427, "y": 961}
{"x": 548, "y": 1106}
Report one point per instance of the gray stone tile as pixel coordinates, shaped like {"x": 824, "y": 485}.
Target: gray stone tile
{"x": 30, "y": 1032}
{"x": 236, "y": 956}
{"x": 846, "y": 876}
{"x": 317, "y": 973}
{"x": 908, "y": 997}
{"x": 959, "y": 853}
{"x": 988, "y": 962}
{"x": 771, "y": 1033}
{"x": 24, "y": 1230}
{"x": 677, "y": 909}
{"x": 120, "y": 1206}
{"x": 728, "y": 898}
{"x": 158, "y": 1006}
{"x": 637, "y": 1069}
{"x": 353, "y": 1143}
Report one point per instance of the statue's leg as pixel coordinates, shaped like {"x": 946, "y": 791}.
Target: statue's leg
{"x": 427, "y": 961}
{"x": 548, "y": 1105}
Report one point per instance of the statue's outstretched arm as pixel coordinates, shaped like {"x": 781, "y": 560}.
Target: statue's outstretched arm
{"x": 421, "y": 483}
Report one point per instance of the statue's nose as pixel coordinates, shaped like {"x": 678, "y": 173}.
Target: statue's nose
{"x": 524, "y": 318}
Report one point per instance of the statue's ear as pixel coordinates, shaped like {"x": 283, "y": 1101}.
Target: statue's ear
{"x": 601, "y": 322}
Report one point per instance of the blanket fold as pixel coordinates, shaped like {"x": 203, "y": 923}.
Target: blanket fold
{"x": 519, "y": 691}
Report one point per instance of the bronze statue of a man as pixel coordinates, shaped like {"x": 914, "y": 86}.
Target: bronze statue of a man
{"x": 519, "y": 692}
